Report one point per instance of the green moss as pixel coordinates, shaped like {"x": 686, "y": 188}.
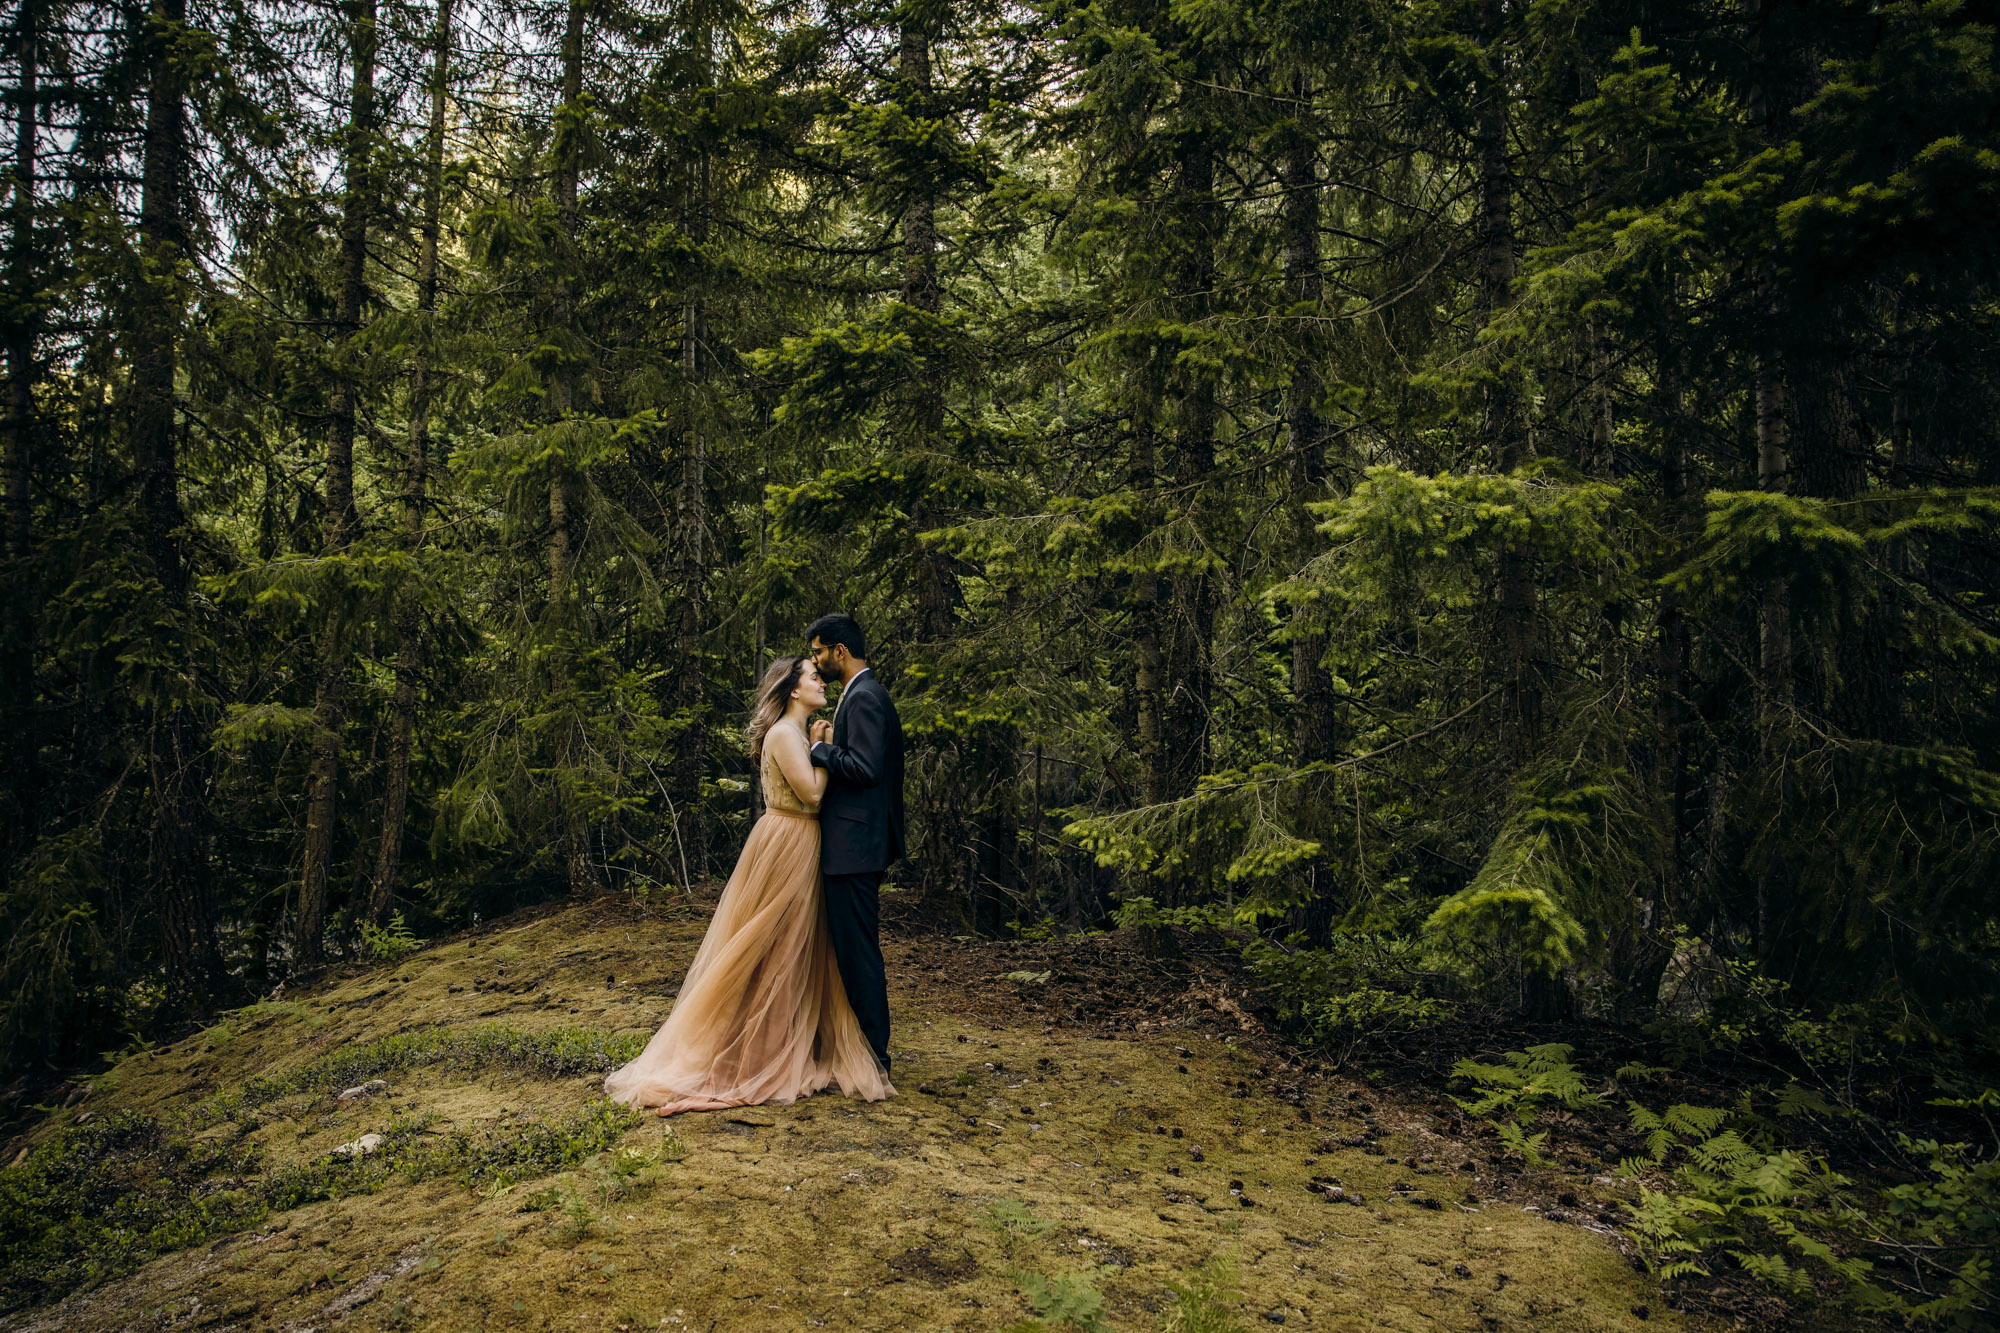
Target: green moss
{"x": 554, "y": 1053}
{"x": 913, "y": 1213}
{"x": 98, "y": 1200}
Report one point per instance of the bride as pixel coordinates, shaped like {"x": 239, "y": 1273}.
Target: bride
{"x": 762, "y": 1016}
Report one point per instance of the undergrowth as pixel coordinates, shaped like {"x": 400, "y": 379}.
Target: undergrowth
{"x": 94, "y": 1201}
{"x": 1736, "y": 1187}
{"x": 564, "y": 1052}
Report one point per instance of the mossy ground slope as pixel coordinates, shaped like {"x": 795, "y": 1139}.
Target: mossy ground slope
{"x": 1040, "y": 1156}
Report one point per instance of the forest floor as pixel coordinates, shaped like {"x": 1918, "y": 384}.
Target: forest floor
{"x": 1098, "y": 1132}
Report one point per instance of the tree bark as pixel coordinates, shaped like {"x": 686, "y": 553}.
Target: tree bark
{"x": 17, "y": 451}
{"x": 1146, "y": 636}
{"x": 1315, "y": 722}
{"x": 1503, "y": 425}
{"x": 936, "y": 582}
{"x": 176, "y": 749}
{"x": 329, "y": 701}
{"x": 579, "y": 868}
{"x": 396, "y": 793}
{"x": 691, "y": 759}
{"x": 1192, "y": 606}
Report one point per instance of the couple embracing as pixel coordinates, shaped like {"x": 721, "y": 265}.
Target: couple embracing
{"x": 787, "y": 994}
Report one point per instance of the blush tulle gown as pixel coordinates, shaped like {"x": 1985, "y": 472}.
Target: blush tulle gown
{"x": 762, "y": 1016}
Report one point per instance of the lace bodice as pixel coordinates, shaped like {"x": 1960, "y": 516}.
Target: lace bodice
{"x": 778, "y": 793}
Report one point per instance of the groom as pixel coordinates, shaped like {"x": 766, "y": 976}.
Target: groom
{"x": 860, "y": 817}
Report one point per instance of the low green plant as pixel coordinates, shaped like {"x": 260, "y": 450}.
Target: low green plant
{"x": 1918, "y": 1251}
{"x": 1013, "y": 1224}
{"x": 391, "y": 943}
{"x": 1067, "y": 1301}
{"x": 1520, "y": 1090}
{"x": 1202, "y": 1302}
{"x": 547, "y": 1199}
{"x": 575, "y": 1220}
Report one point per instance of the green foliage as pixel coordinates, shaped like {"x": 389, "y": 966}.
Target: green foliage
{"x": 1010, "y": 1221}
{"x": 1529, "y": 1083}
{"x": 1069, "y": 1301}
{"x": 1366, "y": 984}
{"x": 391, "y": 943}
{"x": 1920, "y": 1251}
{"x": 1202, "y": 1301}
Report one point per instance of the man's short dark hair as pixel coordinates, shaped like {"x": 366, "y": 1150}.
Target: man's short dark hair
{"x": 839, "y": 628}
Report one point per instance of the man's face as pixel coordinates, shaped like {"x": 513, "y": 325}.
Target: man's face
{"x": 829, "y": 659}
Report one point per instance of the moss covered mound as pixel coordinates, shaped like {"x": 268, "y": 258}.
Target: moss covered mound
{"x": 1028, "y": 1176}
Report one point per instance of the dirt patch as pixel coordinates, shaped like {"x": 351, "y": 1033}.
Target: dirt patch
{"x": 938, "y": 1266}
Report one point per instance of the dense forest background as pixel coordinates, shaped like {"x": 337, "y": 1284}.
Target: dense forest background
{"x": 1496, "y": 497}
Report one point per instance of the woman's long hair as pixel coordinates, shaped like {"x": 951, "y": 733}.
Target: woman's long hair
{"x": 774, "y": 693}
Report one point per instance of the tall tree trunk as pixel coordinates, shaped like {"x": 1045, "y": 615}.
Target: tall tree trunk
{"x": 937, "y": 584}
{"x": 176, "y": 749}
{"x": 1147, "y": 654}
{"x": 1315, "y": 723}
{"x": 1504, "y": 426}
{"x": 578, "y": 865}
{"x": 22, "y": 784}
{"x": 1192, "y": 607}
{"x": 691, "y": 758}
{"x": 1672, "y": 663}
{"x": 1316, "y": 730}
{"x": 17, "y": 448}
{"x": 396, "y": 792}
{"x": 329, "y": 702}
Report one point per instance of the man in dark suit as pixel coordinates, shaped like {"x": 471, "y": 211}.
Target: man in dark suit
{"x": 860, "y": 817}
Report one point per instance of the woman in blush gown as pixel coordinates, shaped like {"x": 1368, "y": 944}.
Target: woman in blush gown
{"x": 762, "y": 1016}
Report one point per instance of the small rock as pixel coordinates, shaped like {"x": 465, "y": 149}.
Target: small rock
{"x": 85, "y": 1117}
{"x": 1176, "y": 1133}
{"x": 1236, "y": 1184}
{"x": 361, "y": 1147}
{"x": 1195, "y": 1153}
{"x": 1276, "y": 1316}
{"x": 1247, "y": 1201}
{"x": 1642, "y": 1312}
{"x": 1460, "y": 1270}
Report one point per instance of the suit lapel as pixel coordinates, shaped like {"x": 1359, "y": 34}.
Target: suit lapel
{"x": 840, "y": 709}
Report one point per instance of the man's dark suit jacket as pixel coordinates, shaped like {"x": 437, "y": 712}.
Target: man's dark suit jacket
{"x": 861, "y": 816}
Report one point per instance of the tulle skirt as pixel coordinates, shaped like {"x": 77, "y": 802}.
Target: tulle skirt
{"x": 762, "y": 1015}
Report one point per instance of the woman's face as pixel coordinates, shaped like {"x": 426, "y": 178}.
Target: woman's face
{"x": 811, "y": 690}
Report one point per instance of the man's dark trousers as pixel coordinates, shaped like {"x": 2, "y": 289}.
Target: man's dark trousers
{"x": 854, "y": 918}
